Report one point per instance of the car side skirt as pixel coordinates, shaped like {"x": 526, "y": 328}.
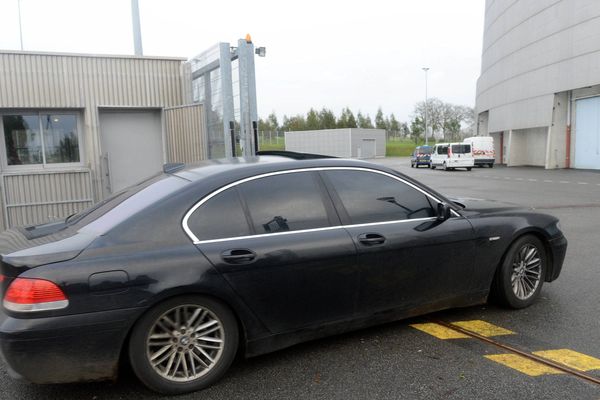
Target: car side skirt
{"x": 280, "y": 341}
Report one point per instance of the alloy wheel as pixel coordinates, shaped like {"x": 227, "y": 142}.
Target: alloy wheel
{"x": 526, "y": 272}
{"x": 185, "y": 343}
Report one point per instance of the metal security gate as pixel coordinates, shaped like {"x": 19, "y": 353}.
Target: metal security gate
{"x": 186, "y": 134}
{"x": 587, "y": 133}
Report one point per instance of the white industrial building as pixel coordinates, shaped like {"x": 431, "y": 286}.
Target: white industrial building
{"x": 345, "y": 142}
{"x": 538, "y": 94}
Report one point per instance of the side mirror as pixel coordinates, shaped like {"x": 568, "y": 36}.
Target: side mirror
{"x": 443, "y": 211}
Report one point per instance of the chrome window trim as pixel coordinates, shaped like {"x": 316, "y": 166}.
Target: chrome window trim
{"x": 195, "y": 239}
{"x": 327, "y": 228}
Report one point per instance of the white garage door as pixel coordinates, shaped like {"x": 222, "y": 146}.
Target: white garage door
{"x": 367, "y": 148}
{"x": 587, "y": 135}
{"x": 132, "y": 147}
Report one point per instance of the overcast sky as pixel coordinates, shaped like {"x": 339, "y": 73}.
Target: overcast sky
{"x": 362, "y": 54}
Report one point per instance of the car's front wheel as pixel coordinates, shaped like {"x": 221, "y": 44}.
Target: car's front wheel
{"x": 184, "y": 344}
{"x": 519, "y": 279}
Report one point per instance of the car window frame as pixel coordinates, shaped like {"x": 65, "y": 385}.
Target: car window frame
{"x": 341, "y": 222}
{"x": 332, "y": 217}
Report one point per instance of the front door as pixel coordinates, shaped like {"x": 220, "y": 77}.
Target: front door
{"x": 290, "y": 260}
{"x": 132, "y": 147}
{"x": 407, "y": 258}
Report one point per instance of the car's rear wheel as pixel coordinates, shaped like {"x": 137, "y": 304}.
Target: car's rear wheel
{"x": 519, "y": 279}
{"x": 184, "y": 344}
{"x": 412, "y": 165}
{"x": 432, "y": 166}
{"x": 469, "y": 168}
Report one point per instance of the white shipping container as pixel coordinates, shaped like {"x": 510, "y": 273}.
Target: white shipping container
{"x": 345, "y": 143}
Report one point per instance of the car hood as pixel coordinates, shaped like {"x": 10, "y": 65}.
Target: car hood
{"x": 18, "y": 249}
{"x": 485, "y": 206}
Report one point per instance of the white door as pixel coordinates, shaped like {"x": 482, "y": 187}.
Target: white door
{"x": 367, "y": 148}
{"x": 132, "y": 147}
{"x": 587, "y": 134}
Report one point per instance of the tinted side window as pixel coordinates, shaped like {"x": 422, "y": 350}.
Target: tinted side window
{"x": 220, "y": 217}
{"x": 286, "y": 202}
{"x": 443, "y": 150}
{"x": 371, "y": 197}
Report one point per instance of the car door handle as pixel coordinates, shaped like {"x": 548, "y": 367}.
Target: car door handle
{"x": 238, "y": 256}
{"x": 370, "y": 239}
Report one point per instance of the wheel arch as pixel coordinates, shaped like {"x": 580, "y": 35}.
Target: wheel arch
{"x": 543, "y": 238}
{"x": 157, "y": 300}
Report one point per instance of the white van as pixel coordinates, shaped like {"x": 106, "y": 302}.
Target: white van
{"x": 483, "y": 150}
{"x": 452, "y": 155}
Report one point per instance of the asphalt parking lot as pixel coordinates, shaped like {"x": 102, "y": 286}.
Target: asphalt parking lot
{"x": 412, "y": 359}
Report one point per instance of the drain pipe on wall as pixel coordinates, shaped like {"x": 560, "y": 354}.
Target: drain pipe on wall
{"x": 568, "y": 132}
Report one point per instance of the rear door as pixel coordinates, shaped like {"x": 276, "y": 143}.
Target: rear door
{"x": 406, "y": 257}
{"x": 279, "y": 243}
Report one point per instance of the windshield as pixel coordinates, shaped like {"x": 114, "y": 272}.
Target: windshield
{"x": 424, "y": 150}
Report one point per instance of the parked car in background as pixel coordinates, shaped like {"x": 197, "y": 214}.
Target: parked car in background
{"x": 449, "y": 156}
{"x": 421, "y": 156}
{"x": 482, "y": 148}
{"x": 182, "y": 271}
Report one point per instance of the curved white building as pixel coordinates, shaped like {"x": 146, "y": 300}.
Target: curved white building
{"x": 539, "y": 90}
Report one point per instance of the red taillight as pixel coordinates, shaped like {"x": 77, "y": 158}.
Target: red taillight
{"x": 449, "y": 152}
{"x": 1, "y": 278}
{"x": 26, "y": 294}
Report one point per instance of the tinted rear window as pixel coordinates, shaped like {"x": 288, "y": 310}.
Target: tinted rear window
{"x": 109, "y": 213}
{"x": 461, "y": 148}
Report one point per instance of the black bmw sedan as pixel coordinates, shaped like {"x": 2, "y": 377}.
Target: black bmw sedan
{"x": 184, "y": 270}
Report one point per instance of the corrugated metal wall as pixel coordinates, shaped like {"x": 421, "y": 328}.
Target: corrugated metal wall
{"x": 38, "y": 197}
{"x": 184, "y": 129}
{"x": 84, "y": 83}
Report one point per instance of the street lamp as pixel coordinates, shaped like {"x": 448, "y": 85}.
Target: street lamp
{"x": 426, "y": 106}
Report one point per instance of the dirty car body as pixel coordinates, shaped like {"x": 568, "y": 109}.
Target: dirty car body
{"x": 351, "y": 261}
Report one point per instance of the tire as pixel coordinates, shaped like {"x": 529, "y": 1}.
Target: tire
{"x": 412, "y": 165}
{"x": 527, "y": 285}
{"x": 445, "y": 167}
{"x": 183, "y": 367}
{"x": 469, "y": 168}
{"x": 432, "y": 166}
{"x": 491, "y": 165}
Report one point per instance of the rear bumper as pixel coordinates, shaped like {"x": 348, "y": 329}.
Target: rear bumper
{"x": 558, "y": 248}
{"x": 484, "y": 161}
{"x": 72, "y": 348}
{"x": 460, "y": 164}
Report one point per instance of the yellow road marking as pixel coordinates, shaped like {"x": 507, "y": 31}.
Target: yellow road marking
{"x": 524, "y": 365}
{"x": 570, "y": 358}
{"x": 483, "y": 328}
{"x": 439, "y": 331}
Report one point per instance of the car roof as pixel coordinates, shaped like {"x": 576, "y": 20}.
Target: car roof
{"x": 261, "y": 164}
